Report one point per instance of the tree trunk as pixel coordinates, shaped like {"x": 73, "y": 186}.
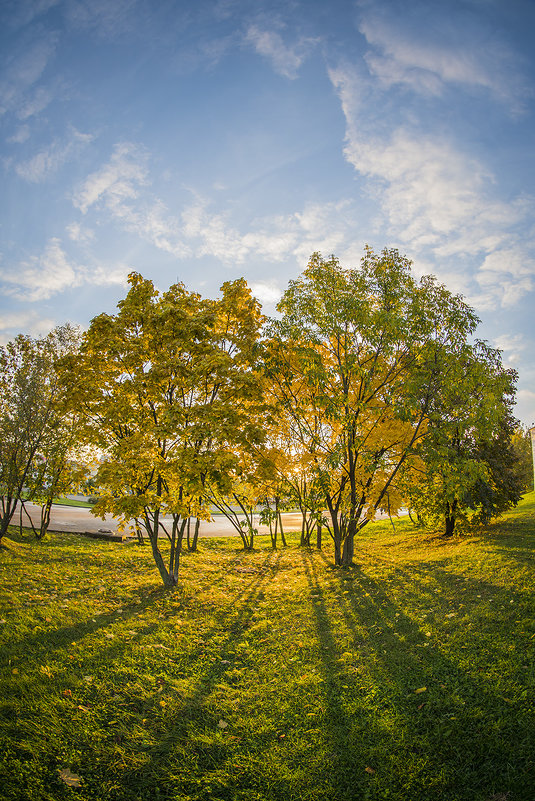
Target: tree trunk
{"x": 349, "y": 547}
{"x": 337, "y": 550}
{"x": 45, "y": 518}
{"x": 8, "y": 511}
{"x": 318, "y": 536}
{"x": 196, "y": 534}
{"x": 450, "y": 519}
{"x": 283, "y": 538}
{"x": 152, "y": 531}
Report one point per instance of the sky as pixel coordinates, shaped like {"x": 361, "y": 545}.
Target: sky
{"x": 205, "y": 140}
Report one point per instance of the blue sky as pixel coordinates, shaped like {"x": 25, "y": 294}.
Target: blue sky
{"x": 202, "y": 141}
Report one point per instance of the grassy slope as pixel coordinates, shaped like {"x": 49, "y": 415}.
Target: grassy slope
{"x": 272, "y": 675}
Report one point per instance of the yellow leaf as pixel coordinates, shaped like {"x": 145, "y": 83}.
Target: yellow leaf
{"x": 421, "y": 690}
{"x": 71, "y": 779}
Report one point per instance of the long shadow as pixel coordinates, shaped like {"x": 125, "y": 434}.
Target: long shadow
{"x": 176, "y": 731}
{"x": 398, "y": 660}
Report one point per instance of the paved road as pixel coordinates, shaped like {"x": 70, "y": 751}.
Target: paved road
{"x": 80, "y": 521}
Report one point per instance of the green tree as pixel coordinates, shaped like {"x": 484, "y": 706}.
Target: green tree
{"x": 167, "y": 390}
{"x": 31, "y": 414}
{"x": 357, "y": 361}
{"x": 467, "y": 469}
{"x": 522, "y": 449}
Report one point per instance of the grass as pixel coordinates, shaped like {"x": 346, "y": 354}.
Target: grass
{"x": 73, "y": 502}
{"x": 271, "y": 675}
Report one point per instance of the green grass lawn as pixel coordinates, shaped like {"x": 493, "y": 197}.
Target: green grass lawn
{"x": 271, "y": 675}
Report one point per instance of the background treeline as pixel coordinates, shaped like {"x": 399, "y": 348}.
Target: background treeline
{"x": 367, "y": 393}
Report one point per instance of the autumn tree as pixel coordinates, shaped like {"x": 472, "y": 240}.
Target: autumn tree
{"x": 357, "y": 359}
{"x": 32, "y": 415}
{"x": 167, "y": 390}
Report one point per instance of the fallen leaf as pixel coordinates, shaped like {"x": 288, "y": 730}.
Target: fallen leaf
{"x": 71, "y": 779}
{"x": 83, "y": 708}
{"x": 15, "y": 670}
{"x": 420, "y": 690}
{"x": 369, "y": 770}
{"x": 222, "y": 724}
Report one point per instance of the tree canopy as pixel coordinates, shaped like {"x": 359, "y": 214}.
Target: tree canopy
{"x": 367, "y": 393}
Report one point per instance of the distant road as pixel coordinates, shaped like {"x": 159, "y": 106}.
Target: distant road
{"x": 79, "y": 520}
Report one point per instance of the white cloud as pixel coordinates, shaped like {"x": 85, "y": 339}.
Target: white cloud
{"x": 267, "y": 292}
{"x": 25, "y": 321}
{"x": 437, "y": 201}
{"x": 285, "y": 60}
{"x": 122, "y": 188}
{"x": 53, "y": 272}
{"x": 512, "y": 346}
{"x": 21, "y": 135}
{"x": 43, "y": 276}
{"x": 110, "y": 276}
{"x": 117, "y": 181}
{"x": 506, "y": 276}
{"x": 25, "y": 70}
{"x": 35, "y": 104}
{"x": 79, "y": 233}
{"x": 48, "y": 161}
{"x": 405, "y": 53}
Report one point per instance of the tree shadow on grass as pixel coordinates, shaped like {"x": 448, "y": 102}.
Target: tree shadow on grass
{"x": 190, "y": 744}
{"x": 455, "y": 737}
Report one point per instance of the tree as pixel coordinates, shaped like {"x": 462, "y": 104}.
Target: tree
{"x": 357, "y": 361}
{"x": 522, "y": 449}
{"x": 31, "y": 414}
{"x": 167, "y": 391}
{"x": 60, "y": 467}
{"x": 466, "y": 473}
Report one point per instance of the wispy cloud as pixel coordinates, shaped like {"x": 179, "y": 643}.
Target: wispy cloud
{"x": 286, "y": 59}
{"x": 107, "y": 19}
{"x": 438, "y": 201}
{"x": 122, "y": 188}
{"x": 428, "y": 54}
{"x": 43, "y": 276}
{"x": 49, "y": 160}
{"x": 36, "y": 103}
{"x": 116, "y": 182}
{"x": 23, "y": 12}
{"x": 53, "y": 272}
{"x": 24, "y": 70}
{"x": 28, "y": 321}
{"x": 512, "y": 346}
{"x": 21, "y": 135}
{"x": 79, "y": 233}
